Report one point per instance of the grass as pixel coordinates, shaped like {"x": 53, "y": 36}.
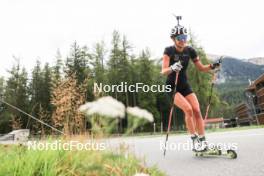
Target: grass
{"x": 19, "y": 161}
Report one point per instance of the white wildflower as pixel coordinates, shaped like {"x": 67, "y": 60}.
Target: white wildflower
{"x": 140, "y": 113}
{"x": 105, "y": 106}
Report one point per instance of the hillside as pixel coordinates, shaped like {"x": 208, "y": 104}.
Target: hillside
{"x": 256, "y": 60}
{"x": 239, "y": 70}
{"x": 234, "y": 77}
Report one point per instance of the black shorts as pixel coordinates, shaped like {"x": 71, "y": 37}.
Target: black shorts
{"x": 183, "y": 90}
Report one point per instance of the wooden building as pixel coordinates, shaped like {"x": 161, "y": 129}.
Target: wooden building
{"x": 252, "y": 110}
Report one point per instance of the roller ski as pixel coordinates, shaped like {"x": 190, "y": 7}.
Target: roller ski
{"x": 217, "y": 153}
{"x": 201, "y": 149}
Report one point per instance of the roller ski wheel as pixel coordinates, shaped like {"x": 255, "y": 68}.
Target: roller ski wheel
{"x": 232, "y": 154}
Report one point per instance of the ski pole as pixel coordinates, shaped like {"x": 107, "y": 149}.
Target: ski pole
{"x": 171, "y": 112}
{"x": 211, "y": 91}
{"x": 210, "y": 97}
{"x": 40, "y": 121}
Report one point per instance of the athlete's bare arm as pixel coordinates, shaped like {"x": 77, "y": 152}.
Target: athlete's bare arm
{"x": 201, "y": 67}
{"x": 166, "y": 70}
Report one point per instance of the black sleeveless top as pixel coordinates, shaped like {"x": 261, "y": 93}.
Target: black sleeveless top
{"x": 184, "y": 56}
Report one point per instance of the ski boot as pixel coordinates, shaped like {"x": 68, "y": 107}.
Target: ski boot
{"x": 196, "y": 143}
{"x": 203, "y": 143}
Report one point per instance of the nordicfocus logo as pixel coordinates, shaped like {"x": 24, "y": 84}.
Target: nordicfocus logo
{"x": 188, "y": 145}
{"x": 124, "y": 87}
{"x": 65, "y": 145}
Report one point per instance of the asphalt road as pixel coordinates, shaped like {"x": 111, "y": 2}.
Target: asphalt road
{"x": 181, "y": 162}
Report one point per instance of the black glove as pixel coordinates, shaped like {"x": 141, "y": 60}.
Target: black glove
{"x": 215, "y": 65}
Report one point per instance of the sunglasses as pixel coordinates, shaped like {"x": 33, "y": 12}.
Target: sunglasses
{"x": 181, "y": 37}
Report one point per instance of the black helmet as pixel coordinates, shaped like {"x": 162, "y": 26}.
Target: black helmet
{"x": 178, "y": 30}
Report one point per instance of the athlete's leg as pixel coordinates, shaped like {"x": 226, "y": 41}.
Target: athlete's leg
{"x": 193, "y": 101}
{"x": 183, "y": 104}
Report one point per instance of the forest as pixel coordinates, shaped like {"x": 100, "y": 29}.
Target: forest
{"x": 53, "y": 92}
